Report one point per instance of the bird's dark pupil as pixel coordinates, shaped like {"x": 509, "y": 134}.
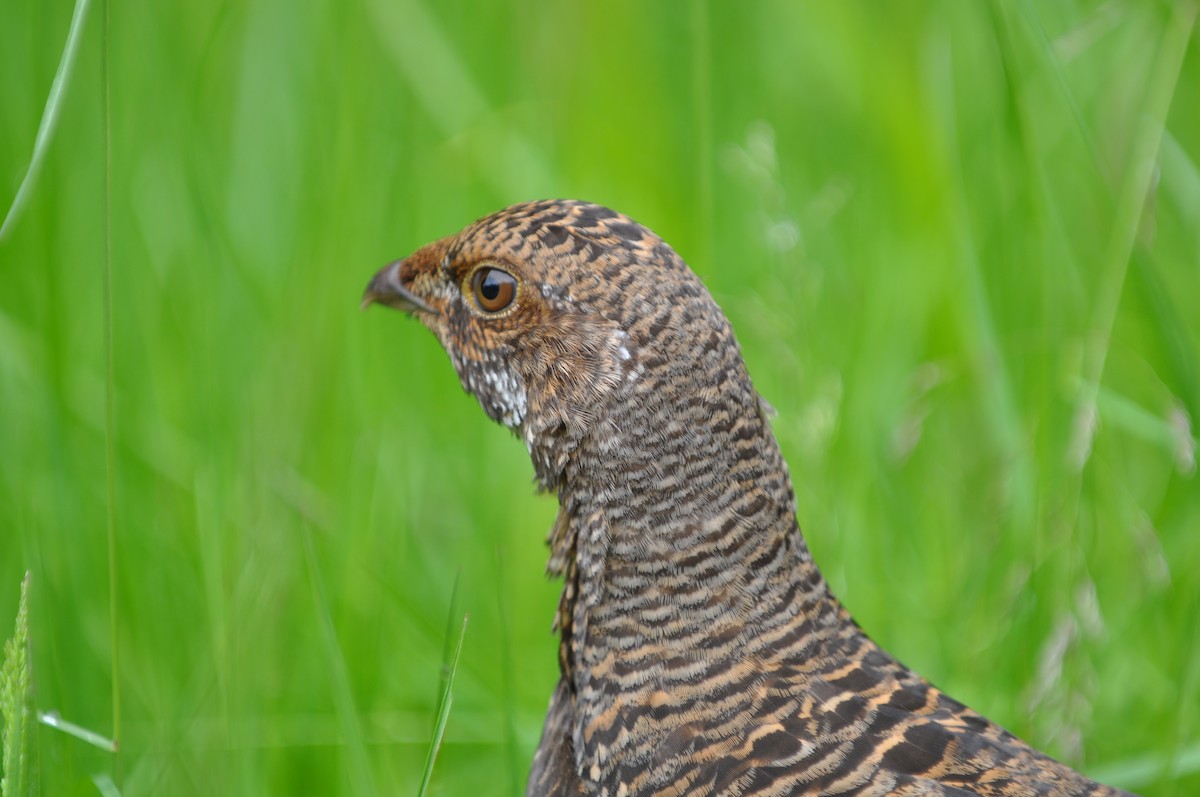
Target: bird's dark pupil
{"x": 490, "y": 287}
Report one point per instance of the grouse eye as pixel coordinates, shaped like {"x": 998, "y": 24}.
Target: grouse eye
{"x": 494, "y": 290}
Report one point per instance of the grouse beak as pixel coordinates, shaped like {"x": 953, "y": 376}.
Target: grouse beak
{"x": 385, "y": 288}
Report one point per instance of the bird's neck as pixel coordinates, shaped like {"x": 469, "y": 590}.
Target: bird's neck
{"x": 677, "y": 522}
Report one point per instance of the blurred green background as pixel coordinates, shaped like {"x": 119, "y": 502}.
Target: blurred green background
{"x": 959, "y": 243}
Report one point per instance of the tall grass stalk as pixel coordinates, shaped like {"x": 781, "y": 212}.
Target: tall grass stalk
{"x": 110, "y": 431}
{"x": 443, "y": 711}
{"x": 16, "y": 706}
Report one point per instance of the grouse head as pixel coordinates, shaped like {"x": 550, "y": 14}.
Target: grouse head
{"x": 558, "y": 315}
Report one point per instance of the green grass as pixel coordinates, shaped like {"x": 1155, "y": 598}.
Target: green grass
{"x": 17, "y": 714}
{"x": 958, "y": 241}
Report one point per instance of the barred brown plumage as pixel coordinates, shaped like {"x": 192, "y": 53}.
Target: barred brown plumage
{"x": 700, "y": 648}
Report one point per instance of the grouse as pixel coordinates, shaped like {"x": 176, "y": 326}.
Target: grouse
{"x": 701, "y": 650}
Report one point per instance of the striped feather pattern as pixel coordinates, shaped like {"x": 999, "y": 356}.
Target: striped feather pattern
{"x": 701, "y": 650}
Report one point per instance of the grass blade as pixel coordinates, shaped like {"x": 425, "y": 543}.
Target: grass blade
{"x": 1135, "y": 190}
{"x": 52, "y": 719}
{"x": 106, "y": 786}
{"x": 41, "y": 142}
{"x": 443, "y": 715}
{"x": 343, "y": 695}
{"x": 424, "y": 54}
{"x": 1141, "y": 771}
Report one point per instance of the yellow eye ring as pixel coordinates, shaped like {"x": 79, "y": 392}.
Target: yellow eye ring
{"x": 493, "y": 289}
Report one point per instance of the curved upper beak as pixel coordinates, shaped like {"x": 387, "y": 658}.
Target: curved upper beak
{"x": 385, "y": 288}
